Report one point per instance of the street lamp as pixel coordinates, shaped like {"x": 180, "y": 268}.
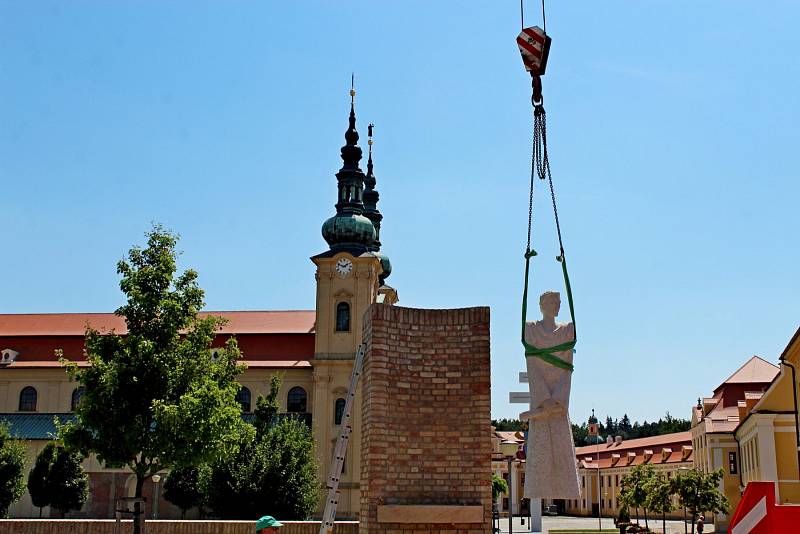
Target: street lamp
{"x": 156, "y": 480}
{"x": 509, "y": 449}
{"x": 685, "y": 528}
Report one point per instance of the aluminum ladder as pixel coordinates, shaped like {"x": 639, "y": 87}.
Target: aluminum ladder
{"x": 329, "y": 516}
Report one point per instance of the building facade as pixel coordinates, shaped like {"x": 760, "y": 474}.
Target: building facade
{"x": 610, "y": 460}
{"x": 314, "y": 350}
{"x": 767, "y": 434}
{"x": 715, "y": 420}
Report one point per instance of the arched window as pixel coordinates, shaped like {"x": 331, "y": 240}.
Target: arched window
{"x": 77, "y": 394}
{"x": 27, "y": 399}
{"x": 243, "y": 398}
{"x": 296, "y": 401}
{"x": 343, "y": 317}
{"x": 338, "y": 411}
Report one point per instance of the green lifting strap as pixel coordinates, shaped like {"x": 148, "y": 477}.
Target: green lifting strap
{"x": 546, "y": 354}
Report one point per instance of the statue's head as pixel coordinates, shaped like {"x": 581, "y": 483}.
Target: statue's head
{"x": 550, "y": 303}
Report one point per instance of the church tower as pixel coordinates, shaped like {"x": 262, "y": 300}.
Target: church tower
{"x": 350, "y": 276}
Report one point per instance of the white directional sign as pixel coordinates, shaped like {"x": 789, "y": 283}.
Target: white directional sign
{"x": 519, "y": 397}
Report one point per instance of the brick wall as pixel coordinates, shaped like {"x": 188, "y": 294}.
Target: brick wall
{"x": 100, "y": 526}
{"x": 426, "y": 421}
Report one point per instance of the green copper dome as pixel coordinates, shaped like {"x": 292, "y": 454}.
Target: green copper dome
{"x": 348, "y": 230}
{"x": 386, "y": 265}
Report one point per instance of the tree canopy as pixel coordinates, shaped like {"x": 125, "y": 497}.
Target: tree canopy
{"x": 58, "y": 480}
{"x": 699, "y": 492}
{"x": 154, "y": 398}
{"x": 274, "y": 470}
{"x": 183, "y": 487}
{"x": 12, "y": 464}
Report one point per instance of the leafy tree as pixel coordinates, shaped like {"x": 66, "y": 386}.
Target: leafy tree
{"x": 12, "y": 463}
{"x": 154, "y": 398}
{"x": 266, "y": 412}
{"x": 274, "y": 469}
{"x": 68, "y": 481}
{"x": 499, "y": 486}
{"x": 507, "y": 425}
{"x": 183, "y": 487}
{"x": 38, "y": 478}
{"x": 58, "y": 480}
{"x": 659, "y": 490}
{"x": 698, "y": 492}
{"x": 633, "y": 491}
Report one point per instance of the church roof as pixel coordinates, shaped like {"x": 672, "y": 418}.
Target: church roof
{"x": 74, "y": 324}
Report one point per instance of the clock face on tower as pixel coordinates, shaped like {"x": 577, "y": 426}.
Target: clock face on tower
{"x": 344, "y": 267}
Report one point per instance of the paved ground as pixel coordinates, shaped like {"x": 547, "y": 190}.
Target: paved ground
{"x": 558, "y": 522}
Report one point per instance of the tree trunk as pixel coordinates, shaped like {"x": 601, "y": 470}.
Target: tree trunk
{"x": 40, "y": 512}
{"x": 664, "y": 522}
{"x": 694, "y": 514}
{"x": 138, "y": 513}
{"x": 645, "y": 519}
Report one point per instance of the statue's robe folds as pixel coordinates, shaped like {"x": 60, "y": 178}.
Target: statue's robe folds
{"x": 550, "y": 468}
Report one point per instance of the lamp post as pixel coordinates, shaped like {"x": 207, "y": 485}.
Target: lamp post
{"x": 685, "y": 528}
{"x": 156, "y": 480}
{"x": 509, "y": 449}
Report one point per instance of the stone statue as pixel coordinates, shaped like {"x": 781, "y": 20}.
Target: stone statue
{"x": 550, "y": 468}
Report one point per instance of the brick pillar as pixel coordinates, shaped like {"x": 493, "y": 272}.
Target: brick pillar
{"x": 426, "y": 421}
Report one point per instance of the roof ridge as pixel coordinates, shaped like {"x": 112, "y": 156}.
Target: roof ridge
{"x": 745, "y": 364}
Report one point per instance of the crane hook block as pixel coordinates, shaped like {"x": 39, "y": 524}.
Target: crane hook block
{"x": 534, "y": 45}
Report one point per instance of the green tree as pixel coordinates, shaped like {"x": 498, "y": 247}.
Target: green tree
{"x": 659, "y": 490}
{"x": 266, "y": 412}
{"x": 183, "y": 487}
{"x": 12, "y": 464}
{"x": 274, "y": 469}
{"x": 633, "y": 490}
{"x": 508, "y": 424}
{"x": 68, "y": 482}
{"x": 499, "y": 486}
{"x": 699, "y": 492}
{"x": 38, "y": 478}
{"x": 154, "y": 398}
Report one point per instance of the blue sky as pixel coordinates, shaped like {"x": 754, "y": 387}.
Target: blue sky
{"x": 673, "y": 140}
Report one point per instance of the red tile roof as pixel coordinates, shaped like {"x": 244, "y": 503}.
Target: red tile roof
{"x": 74, "y": 324}
{"x": 652, "y": 441}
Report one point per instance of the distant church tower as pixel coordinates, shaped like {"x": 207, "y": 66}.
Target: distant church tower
{"x": 350, "y": 276}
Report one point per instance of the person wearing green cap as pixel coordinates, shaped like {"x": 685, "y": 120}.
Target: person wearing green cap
{"x": 268, "y": 525}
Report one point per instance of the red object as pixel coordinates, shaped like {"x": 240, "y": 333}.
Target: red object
{"x": 757, "y": 512}
{"x": 534, "y": 45}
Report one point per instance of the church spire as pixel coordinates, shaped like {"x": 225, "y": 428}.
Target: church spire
{"x": 371, "y": 212}
{"x": 371, "y": 195}
{"x": 349, "y": 230}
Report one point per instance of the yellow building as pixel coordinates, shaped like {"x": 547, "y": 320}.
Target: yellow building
{"x": 611, "y": 460}
{"x": 767, "y": 434}
{"x": 614, "y": 459}
{"x": 314, "y": 350}
{"x": 715, "y": 420}
{"x": 516, "y": 478}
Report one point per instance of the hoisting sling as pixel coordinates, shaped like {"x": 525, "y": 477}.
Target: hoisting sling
{"x": 534, "y": 45}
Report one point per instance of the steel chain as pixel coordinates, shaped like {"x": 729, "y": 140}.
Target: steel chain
{"x": 541, "y": 167}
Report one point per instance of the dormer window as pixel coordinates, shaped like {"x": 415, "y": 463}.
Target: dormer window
{"x": 343, "y": 317}
{"x": 7, "y": 356}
